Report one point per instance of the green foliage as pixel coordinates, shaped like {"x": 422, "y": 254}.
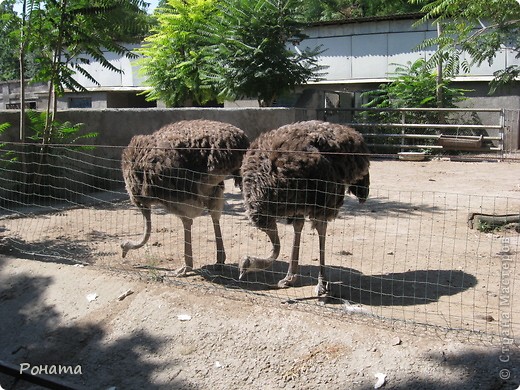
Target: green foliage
{"x": 479, "y": 28}
{"x": 3, "y": 128}
{"x": 65, "y": 36}
{"x": 9, "y": 42}
{"x": 176, "y": 59}
{"x": 325, "y": 10}
{"x": 9, "y": 156}
{"x": 414, "y": 85}
{"x": 206, "y": 50}
{"x": 68, "y": 35}
{"x": 256, "y": 52}
{"x": 63, "y": 132}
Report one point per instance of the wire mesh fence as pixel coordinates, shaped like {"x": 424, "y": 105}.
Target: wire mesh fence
{"x": 406, "y": 256}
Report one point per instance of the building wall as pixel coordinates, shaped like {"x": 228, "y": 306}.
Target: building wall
{"x": 369, "y": 51}
{"x": 35, "y": 95}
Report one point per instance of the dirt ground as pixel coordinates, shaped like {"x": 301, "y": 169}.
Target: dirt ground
{"x": 416, "y": 295}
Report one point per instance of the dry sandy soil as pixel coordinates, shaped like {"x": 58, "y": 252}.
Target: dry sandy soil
{"x": 415, "y": 293}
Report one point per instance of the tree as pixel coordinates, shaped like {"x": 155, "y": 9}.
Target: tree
{"x": 479, "y": 28}
{"x": 176, "y": 59}
{"x": 9, "y": 43}
{"x": 413, "y": 85}
{"x": 67, "y": 35}
{"x": 324, "y": 10}
{"x": 204, "y": 50}
{"x": 63, "y": 36}
{"x": 257, "y": 49}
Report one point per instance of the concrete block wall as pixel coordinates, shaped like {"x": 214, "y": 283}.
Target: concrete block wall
{"x": 99, "y": 169}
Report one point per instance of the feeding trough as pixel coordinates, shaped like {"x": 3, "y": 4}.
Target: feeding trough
{"x": 412, "y": 156}
{"x": 463, "y": 142}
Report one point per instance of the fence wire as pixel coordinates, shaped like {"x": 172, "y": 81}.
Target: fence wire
{"x": 402, "y": 257}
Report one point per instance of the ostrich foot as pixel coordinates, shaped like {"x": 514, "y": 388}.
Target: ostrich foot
{"x": 322, "y": 288}
{"x": 183, "y": 271}
{"x": 288, "y": 281}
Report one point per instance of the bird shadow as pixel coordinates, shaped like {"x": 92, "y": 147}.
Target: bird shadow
{"x": 380, "y": 207}
{"x": 408, "y": 288}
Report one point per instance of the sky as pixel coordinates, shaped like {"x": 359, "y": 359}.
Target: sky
{"x": 153, "y": 5}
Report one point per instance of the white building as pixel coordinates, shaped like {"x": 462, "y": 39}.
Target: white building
{"x": 359, "y": 55}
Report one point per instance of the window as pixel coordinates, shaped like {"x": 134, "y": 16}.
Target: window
{"x": 16, "y": 106}
{"x": 80, "y": 102}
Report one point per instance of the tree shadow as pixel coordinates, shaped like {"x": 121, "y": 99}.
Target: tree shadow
{"x": 30, "y": 333}
{"x": 476, "y": 370}
{"x": 409, "y": 288}
{"x": 54, "y": 251}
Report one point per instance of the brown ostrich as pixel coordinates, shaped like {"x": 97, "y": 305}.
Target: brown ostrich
{"x": 297, "y": 171}
{"x": 182, "y": 167}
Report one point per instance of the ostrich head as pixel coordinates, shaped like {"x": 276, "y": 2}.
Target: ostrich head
{"x": 252, "y": 264}
{"x": 360, "y": 189}
{"x": 125, "y": 247}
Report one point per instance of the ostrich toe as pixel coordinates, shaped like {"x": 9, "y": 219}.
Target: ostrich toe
{"x": 183, "y": 271}
{"x": 288, "y": 281}
{"x": 322, "y": 288}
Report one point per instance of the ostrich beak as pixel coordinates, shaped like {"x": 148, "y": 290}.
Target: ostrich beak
{"x": 243, "y": 267}
{"x": 124, "y": 250}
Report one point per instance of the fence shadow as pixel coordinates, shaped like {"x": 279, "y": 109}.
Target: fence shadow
{"x": 409, "y": 288}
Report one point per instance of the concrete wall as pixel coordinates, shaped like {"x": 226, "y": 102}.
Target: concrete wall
{"x": 73, "y": 173}
{"x": 117, "y": 126}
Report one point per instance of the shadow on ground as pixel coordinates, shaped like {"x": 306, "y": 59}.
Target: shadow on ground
{"x": 393, "y": 289}
{"x": 477, "y": 371}
{"x": 30, "y": 334}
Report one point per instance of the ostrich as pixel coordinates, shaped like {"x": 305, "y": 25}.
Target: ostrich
{"x": 297, "y": 171}
{"x": 182, "y": 166}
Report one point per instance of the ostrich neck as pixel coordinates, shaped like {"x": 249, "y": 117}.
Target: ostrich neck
{"x": 146, "y": 211}
{"x": 260, "y": 263}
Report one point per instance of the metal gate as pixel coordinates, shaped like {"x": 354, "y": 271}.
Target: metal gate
{"x": 451, "y": 132}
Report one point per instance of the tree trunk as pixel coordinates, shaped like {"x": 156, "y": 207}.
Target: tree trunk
{"x": 438, "y": 91}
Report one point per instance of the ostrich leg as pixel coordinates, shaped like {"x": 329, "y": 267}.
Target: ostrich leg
{"x": 216, "y": 206}
{"x": 188, "y": 253}
{"x": 272, "y": 232}
{"x": 292, "y": 274}
{"x": 321, "y": 228}
{"x": 127, "y": 245}
{"x": 221, "y": 253}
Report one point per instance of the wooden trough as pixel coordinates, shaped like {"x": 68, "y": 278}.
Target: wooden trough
{"x": 493, "y": 221}
{"x": 463, "y": 142}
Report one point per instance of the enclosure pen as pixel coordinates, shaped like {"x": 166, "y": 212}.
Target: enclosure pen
{"x": 407, "y": 257}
